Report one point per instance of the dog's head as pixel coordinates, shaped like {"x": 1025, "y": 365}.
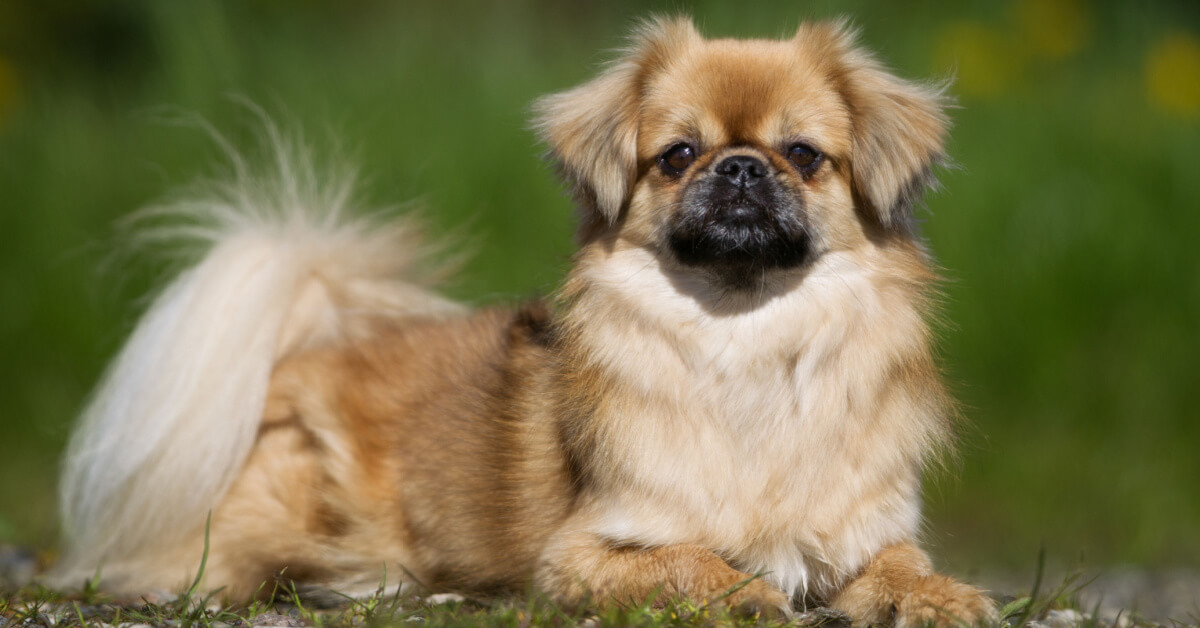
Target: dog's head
{"x": 732, "y": 157}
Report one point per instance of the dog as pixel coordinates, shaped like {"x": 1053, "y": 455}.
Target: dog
{"x": 731, "y": 399}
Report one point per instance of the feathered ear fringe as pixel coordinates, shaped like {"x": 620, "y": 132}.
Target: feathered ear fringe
{"x": 591, "y": 130}
{"x": 285, "y": 265}
{"x": 900, "y": 126}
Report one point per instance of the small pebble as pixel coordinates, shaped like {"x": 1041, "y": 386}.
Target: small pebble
{"x": 1066, "y": 618}
{"x": 444, "y": 598}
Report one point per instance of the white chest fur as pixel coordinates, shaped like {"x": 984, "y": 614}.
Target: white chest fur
{"x": 763, "y": 433}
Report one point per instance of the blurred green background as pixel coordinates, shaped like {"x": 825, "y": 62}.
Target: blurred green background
{"x": 1068, "y": 229}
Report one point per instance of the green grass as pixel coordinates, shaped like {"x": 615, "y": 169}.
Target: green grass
{"x": 377, "y": 610}
{"x": 39, "y": 606}
{"x": 279, "y": 602}
{"x": 1067, "y": 229}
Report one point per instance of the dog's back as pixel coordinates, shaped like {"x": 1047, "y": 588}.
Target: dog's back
{"x": 371, "y": 458}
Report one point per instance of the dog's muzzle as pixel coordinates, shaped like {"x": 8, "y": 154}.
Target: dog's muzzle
{"x": 739, "y": 215}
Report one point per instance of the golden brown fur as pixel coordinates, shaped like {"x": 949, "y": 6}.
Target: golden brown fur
{"x": 668, "y": 425}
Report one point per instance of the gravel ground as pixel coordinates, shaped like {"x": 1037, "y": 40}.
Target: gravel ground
{"x": 1173, "y": 594}
{"x": 1160, "y": 595}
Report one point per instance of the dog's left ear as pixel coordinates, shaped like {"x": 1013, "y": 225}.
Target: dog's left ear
{"x": 899, "y": 126}
{"x": 592, "y": 130}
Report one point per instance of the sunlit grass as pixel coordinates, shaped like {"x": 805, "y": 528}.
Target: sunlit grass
{"x": 1041, "y": 605}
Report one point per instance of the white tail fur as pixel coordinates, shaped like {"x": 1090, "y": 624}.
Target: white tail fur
{"x": 174, "y": 419}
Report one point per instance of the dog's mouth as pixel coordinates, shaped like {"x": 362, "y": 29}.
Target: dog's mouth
{"x": 720, "y": 228}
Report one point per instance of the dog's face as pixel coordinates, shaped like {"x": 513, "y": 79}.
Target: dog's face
{"x": 738, "y": 148}
{"x": 734, "y": 158}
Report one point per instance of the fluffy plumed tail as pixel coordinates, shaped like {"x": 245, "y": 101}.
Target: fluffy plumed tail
{"x": 176, "y": 415}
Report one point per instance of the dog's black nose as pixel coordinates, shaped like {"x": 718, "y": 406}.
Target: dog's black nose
{"x": 742, "y": 170}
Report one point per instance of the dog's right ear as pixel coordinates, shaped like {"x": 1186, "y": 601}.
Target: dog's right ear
{"x": 592, "y": 130}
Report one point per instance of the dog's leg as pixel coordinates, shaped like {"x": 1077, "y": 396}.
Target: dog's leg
{"x": 900, "y": 585}
{"x": 579, "y": 565}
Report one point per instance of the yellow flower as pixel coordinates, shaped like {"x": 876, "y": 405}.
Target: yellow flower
{"x": 1053, "y": 28}
{"x": 1173, "y": 74}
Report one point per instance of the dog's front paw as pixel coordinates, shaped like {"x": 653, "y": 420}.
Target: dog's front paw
{"x": 761, "y": 599}
{"x": 940, "y": 601}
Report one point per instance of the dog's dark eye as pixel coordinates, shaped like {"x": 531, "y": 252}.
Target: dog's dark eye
{"x": 676, "y": 159}
{"x": 804, "y": 157}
